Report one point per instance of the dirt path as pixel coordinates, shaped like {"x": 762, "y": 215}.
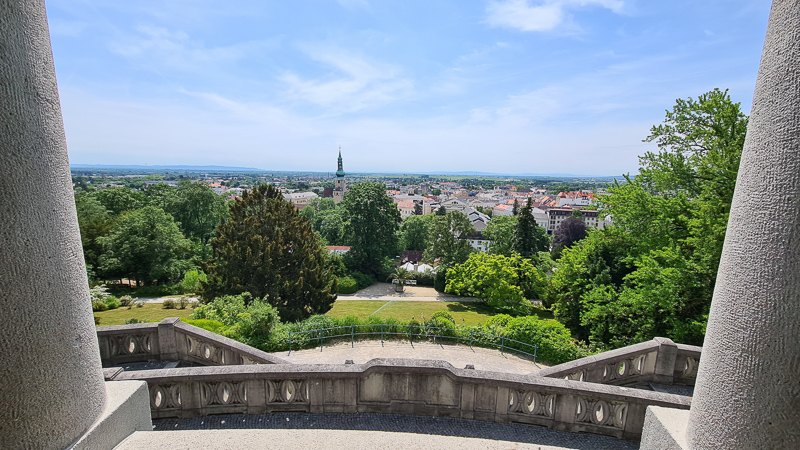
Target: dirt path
{"x": 385, "y": 291}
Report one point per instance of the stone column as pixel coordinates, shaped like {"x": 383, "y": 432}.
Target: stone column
{"x": 51, "y": 383}
{"x": 748, "y": 386}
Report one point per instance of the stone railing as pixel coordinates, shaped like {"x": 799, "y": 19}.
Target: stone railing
{"x": 398, "y": 386}
{"x": 173, "y": 340}
{"x": 659, "y": 361}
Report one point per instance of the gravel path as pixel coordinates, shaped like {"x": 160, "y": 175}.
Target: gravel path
{"x": 385, "y": 291}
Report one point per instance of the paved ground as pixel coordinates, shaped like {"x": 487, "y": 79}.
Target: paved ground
{"x": 457, "y": 355}
{"x": 358, "y": 431}
{"x": 385, "y": 291}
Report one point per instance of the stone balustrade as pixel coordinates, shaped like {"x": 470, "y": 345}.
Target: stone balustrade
{"x": 398, "y": 386}
{"x": 659, "y": 360}
{"x": 173, "y": 340}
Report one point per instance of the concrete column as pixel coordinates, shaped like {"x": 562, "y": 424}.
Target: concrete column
{"x": 748, "y": 384}
{"x": 51, "y": 382}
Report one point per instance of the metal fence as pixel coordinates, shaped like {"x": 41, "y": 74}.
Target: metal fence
{"x": 420, "y": 333}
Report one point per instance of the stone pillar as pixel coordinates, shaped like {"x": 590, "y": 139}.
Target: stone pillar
{"x": 51, "y": 383}
{"x": 748, "y": 384}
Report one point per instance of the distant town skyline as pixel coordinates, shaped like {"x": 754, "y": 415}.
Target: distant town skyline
{"x": 504, "y": 87}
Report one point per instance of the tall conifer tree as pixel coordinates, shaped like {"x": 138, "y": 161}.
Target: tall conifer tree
{"x": 266, "y": 248}
{"x": 529, "y": 237}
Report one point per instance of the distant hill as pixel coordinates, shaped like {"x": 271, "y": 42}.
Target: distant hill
{"x": 167, "y": 167}
{"x": 223, "y": 169}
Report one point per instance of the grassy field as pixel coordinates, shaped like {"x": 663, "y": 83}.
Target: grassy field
{"x": 150, "y": 312}
{"x": 464, "y": 313}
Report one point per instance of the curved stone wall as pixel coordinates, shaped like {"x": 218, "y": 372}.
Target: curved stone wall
{"x": 397, "y": 386}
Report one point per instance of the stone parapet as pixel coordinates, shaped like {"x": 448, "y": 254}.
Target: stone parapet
{"x": 399, "y": 386}
{"x": 173, "y": 340}
{"x": 659, "y": 360}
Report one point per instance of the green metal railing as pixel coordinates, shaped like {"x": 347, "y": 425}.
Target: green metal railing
{"x": 422, "y": 333}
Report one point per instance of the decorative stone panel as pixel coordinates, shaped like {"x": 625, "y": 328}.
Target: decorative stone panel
{"x": 287, "y": 391}
{"x": 601, "y": 412}
{"x": 223, "y": 393}
{"x": 165, "y": 397}
{"x": 130, "y": 344}
{"x": 532, "y": 403}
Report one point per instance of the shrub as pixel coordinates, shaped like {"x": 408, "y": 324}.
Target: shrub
{"x": 183, "y": 302}
{"x": 134, "y": 320}
{"x": 426, "y": 278}
{"x": 499, "y": 320}
{"x": 99, "y": 293}
{"x": 210, "y": 325}
{"x": 444, "y": 315}
{"x": 440, "y": 279}
{"x": 191, "y": 281}
{"x": 441, "y": 326}
{"x": 347, "y": 285}
{"x": 112, "y": 302}
{"x": 127, "y": 300}
{"x": 258, "y": 320}
{"x": 363, "y": 280}
{"x": 555, "y": 344}
{"x": 99, "y": 305}
{"x": 168, "y": 304}
{"x": 96, "y": 320}
{"x": 223, "y": 309}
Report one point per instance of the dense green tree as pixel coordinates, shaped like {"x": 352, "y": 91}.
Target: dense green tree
{"x": 118, "y": 199}
{"x": 529, "y": 238}
{"x": 441, "y": 211}
{"x": 670, "y": 221}
{"x": 160, "y": 195}
{"x": 316, "y": 205}
{"x": 94, "y": 222}
{"x": 146, "y": 245}
{"x": 502, "y": 281}
{"x": 332, "y": 226}
{"x": 373, "y": 220}
{"x": 414, "y": 232}
{"x": 418, "y": 209}
{"x": 265, "y": 248}
{"x": 500, "y": 231}
{"x": 197, "y": 209}
{"x": 444, "y": 241}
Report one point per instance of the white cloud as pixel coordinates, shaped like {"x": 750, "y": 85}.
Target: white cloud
{"x": 544, "y": 15}
{"x": 160, "y": 46}
{"x": 365, "y": 83}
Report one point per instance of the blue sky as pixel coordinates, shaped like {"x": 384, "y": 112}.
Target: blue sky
{"x": 505, "y": 86}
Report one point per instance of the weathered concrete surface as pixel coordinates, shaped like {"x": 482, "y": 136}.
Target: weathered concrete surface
{"x": 748, "y": 386}
{"x": 50, "y": 377}
{"x": 664, "y": 429}
{"x": 127, "y": 410}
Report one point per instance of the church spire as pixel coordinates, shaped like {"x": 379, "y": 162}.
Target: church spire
{"x": 340, "y": 172}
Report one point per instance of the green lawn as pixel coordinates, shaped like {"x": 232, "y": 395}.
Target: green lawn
{"x": 150, "y": 312}
{"x": 358, "y": 308}
{"x": 471, "y": 313}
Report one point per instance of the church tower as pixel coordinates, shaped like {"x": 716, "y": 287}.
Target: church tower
{"x": 339, "y": 184}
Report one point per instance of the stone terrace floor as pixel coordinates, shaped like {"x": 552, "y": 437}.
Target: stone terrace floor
{"x": 358, "y": 431}
{"x": 458, "y": 356}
